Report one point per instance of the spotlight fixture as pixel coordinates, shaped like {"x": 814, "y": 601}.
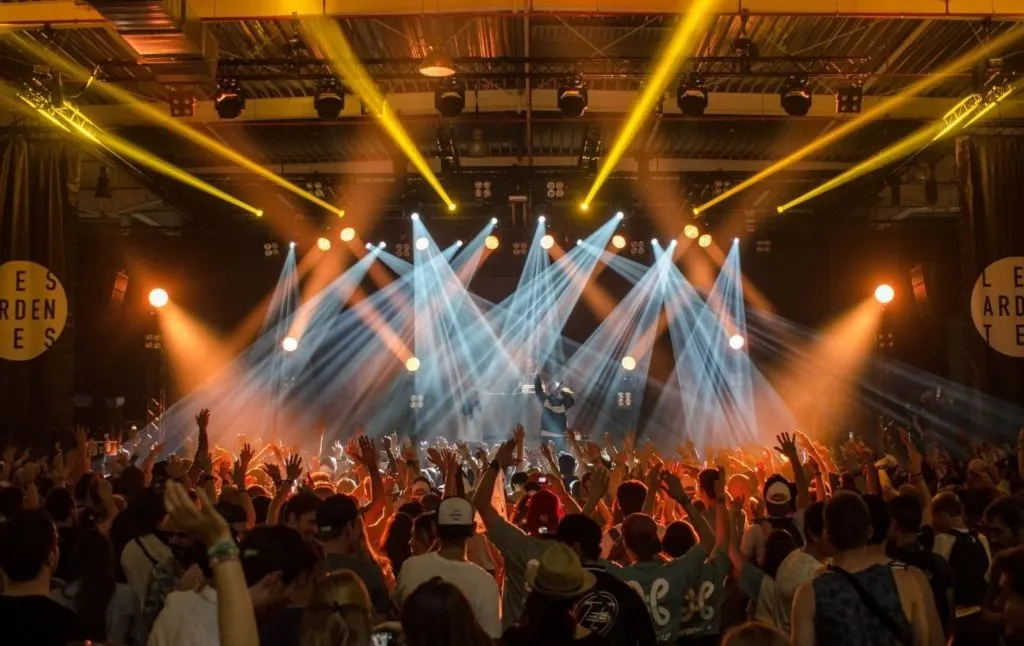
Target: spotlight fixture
{"x": 449, "y": 97}
{"x": 271, "y": 249}
{"x": 369, "y": 246}
{"x": 795, "y": 96}
{"x": 291, "y": 245}
{"x": 494, "y": 220}
{"x": 482, "y": 188}
{"x": 618, "y": 241}
{"x": 182, "y": 101}
{"x": 704, "y": 241}
{"x": 437, "y": 64}
{"x": 555, "y": 189}
{"x": 736, "y": 342}
{"x": 412, "y": 364}
{"x": 290, "y": 344}
{"x": 637, "y": 248}
{"x": 584, "y": 206}
{"x": 158, "y": 298}
{"x": 348, "y": 234}
{"x": 628, "y": 363}
{"x": 547, "y": 241}
{"x": 323, "y": 244}
{"x": 520, "y": 249}
{"x": 542, "y": 219}
{"x": 491, "y": 242}
{"x": 884, "y": 294}
{"x": 229, "y": 99}
{"x": 849, "y": 99}
{"x": 383, "y": 245}
{"x": 579, "y": 241}
{"x": 329, "y": 100}
{"x": 692, "y": 96}
{"x": 654, "y": 241}
{"x": 458, "y": 243}
{"x": 422, "y": 243}
{"x": 452, "y": 206}
{"x": 414, "y": 216}
{"x": 572, "y": 96}
{"x": 620, "y": 215}
{"x": 691, "y": 232}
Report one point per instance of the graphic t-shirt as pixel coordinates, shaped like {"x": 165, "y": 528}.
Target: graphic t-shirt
{"x": 664, "y": 588}
{"x": 614, "y": 609}
{"x": 702, "y": 603}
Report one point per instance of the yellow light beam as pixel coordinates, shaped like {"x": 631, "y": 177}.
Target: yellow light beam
{"x": 162, "y": 118}
{"x": 876, "y": 111}
{"x": 902, "y": 148}
{"x": 678, "y": 50}
{"x": 60, "y": 117}
{"x": 917, "y": 139}
{"x": 328, "y": 38}
{"x": 961, "y": 111}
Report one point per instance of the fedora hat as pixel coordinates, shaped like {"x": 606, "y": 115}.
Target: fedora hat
{"x": 559, "y": 574}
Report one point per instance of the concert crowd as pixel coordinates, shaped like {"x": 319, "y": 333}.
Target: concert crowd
{"x": 385, "y": 541}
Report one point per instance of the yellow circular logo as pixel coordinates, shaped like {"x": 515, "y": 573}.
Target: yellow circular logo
{"x": 33, "y": 310}
{"x": 997, "y": 306}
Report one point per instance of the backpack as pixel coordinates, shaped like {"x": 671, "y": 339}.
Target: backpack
{"x": 970, "y": 563}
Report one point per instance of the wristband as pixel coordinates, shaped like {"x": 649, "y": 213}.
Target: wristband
{"x": 222, "y": 552}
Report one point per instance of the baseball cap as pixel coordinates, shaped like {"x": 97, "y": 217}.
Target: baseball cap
{"x": 335, "y": 514}
{"x": 455, "y": 512}
{"x": 543, "y": 511}
{"x": 778, "y": 496}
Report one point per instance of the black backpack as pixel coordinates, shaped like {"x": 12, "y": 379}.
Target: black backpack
{"x": 970, "y": 563}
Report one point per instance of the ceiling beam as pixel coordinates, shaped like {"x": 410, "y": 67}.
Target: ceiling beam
{"x": 602, "y": 102}
{"x": 71, "y": 13}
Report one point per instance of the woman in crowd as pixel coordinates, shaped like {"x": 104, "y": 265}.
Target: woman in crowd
{"x": 339, "y": 612}
{"x": 108, "y": 611}
{"x": 438, "y": 613}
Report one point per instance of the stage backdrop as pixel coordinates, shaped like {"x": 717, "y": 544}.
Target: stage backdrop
{"x": 38, "y": 215}
{"x": 991, "y": 170}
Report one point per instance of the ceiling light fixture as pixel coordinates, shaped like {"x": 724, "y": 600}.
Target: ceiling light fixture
{"x": 437, "y": 64}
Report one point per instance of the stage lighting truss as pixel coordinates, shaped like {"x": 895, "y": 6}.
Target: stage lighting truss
{"x": 572, "y": 96}
{"x": 993, "y": 96}
{"x": 849, "y": 99}
{"x": 329, "y": 101}
{"x": 795, "y": 96}
{"x": 229, "y": 99}
{"x": 692, "y": 96}
{"x": 450, "y": 97}
{"x": 624, "y": 399}
{"x": 637, "y": 248}
{"x": 520, "y": 248}
{"x": 415, "y": 401}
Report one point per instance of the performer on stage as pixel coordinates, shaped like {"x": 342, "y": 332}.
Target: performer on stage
{"x": 556, "y": 401}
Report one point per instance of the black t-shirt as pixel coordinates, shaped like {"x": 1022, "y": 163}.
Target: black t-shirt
{"x": 616, "y": 611}
{"x": 516, "y": 636}
{"x": 37, "y": 621}
{"x": 67, "y": 569}
{"x": 282, "y": 628}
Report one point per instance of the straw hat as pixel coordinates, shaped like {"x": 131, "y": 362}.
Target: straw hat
{"x": 560, "y": 574}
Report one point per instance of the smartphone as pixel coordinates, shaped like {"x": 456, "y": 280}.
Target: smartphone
{"x": 542, "y": 480}
{"x": 383, "y": 638}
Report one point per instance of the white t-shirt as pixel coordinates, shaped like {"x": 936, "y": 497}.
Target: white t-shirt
{"x": 480, "y": 588}
{"x": 138, "y": 566}
{"x": 795, "y": 570}
{"x": 188, "y": 619}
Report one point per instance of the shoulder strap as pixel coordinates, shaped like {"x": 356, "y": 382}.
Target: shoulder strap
{"x": 902, "y": 636}
{"x": 138, "y": 541}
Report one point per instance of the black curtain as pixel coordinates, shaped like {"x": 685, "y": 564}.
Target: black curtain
{"x": 991, "y": 175}
{"x": 38, "y": 216}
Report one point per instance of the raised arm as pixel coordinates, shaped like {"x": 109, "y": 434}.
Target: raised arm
{"x": 538, "y": 387}
{"x": 367, "y": 456}
{"x": 787, "y": 447}
{"x": 485, "y": 490}
{"x": 202, "y": 446}
{"x": 674, "y": 488}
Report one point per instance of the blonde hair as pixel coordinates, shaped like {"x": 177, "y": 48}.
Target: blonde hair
{"x": 753, "y": 633}
{"x": 338, "y": 613}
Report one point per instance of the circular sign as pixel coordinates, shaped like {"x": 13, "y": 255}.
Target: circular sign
{"x": 33, "y": 310}
{"x": 997, "y": 306}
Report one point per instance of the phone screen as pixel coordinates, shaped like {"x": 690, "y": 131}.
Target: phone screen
{"x": 383, "y": 638}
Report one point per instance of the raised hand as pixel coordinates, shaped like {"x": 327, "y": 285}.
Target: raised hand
{"x": 386, "y": 442}
{"x": 293, "y": 467}
{"x": 545, "y": 450}
{"x": 434, "y": 456}
{"x": 674, "y": 487}
{"x": 519, "y": 433}
{"x": 202, "y": 523}
{"x": 787, "y": 446}
{"x": 599, "y": 479}
{"x": 245, "y": 457}
{"x": 203, "y": 419}
{"x": 506, "y": 455}
{"x": 367, "y": 453}
{"x": 274, "y": 472}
